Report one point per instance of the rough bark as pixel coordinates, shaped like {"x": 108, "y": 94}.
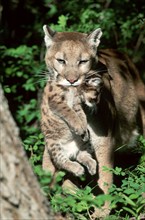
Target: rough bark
{"x": 20, "y": 194}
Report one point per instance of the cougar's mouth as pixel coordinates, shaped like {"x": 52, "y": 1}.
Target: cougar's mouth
{"x": 65, "y": 82}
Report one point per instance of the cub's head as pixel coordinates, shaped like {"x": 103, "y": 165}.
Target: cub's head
{"x": 70, "y": 56}
{"x": 91, "y": 90}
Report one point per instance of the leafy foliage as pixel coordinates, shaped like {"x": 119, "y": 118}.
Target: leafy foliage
{"x": 130, "y": 194}
{"x": 125, "y": 201}
{"x": 35, "y": 146}
{"x": 20, "y": 82}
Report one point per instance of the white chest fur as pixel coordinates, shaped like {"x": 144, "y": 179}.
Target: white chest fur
{"x": 70, "y": 149}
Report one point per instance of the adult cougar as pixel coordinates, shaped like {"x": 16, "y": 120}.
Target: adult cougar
{"x": 119, "y": 115}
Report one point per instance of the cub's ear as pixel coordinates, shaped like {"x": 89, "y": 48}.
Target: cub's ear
{"x": 49, "y": 33}
{"x": 94, "y": 38}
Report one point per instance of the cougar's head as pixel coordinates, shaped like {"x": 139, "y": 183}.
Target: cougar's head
{"x": 70, "y": 56}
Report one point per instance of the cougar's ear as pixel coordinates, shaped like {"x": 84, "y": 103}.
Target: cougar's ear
{"x": 49, "y": 33}
{"x": 94, "y": 38}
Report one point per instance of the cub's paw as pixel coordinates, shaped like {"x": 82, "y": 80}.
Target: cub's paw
{"x": 92, "y": 165}
{"x": 86, "y": 136}
{"x": 78, "y": 169}
{"x": 78, "y": 127}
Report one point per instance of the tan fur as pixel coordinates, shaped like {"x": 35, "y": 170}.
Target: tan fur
{"x": 120, "y": 110}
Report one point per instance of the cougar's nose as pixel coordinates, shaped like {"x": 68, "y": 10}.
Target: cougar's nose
{"x": 72, "y": 76}
{"x": 72, "y": 80}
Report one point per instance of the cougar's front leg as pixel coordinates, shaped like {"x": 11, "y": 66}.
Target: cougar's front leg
{"x": 104, "y": 155}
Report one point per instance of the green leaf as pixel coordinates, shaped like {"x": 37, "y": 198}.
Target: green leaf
{"x": 134, "y": 196}
{"x": 130, "y": 211}
{"x": 140, "y": 208}
{"x": 128, "y": 200}
{"x": 7, "y": 90}
{"x": 60, "y": 176}
{"x": 62, "y": 21}
{"x": 81, "y": 206}
{"x": 129, "y": 191}
{"x": 35, "y": 147}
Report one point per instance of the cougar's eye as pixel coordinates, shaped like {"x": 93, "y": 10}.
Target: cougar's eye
{"x": 83, "y": 61}
{"x": 61, "y": 61}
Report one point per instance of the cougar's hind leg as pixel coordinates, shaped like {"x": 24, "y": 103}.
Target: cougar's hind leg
{"x": 47, "y": 162}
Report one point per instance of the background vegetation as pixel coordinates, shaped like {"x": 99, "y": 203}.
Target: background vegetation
{"x": 23, "y": 77}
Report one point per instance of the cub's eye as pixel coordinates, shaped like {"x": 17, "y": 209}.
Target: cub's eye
{"x": 83, "y": 61}
{"x": 61, "y": 61}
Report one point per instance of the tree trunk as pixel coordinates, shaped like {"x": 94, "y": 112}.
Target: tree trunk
{"x": 20, "y": 194}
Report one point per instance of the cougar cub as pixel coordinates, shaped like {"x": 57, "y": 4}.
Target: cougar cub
{"x": 64, "y": 123}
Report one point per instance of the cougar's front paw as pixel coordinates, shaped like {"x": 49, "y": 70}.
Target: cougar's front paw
{"x": 101, "y": 213}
